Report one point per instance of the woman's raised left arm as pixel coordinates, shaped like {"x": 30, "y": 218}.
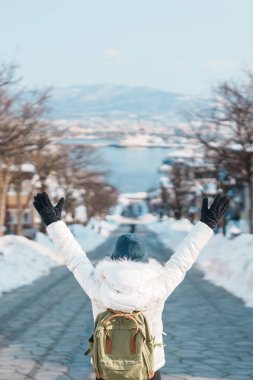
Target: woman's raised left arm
{"x": 74, "y": 256}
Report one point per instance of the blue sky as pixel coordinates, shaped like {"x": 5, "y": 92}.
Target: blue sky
{"x": 177, "y": 45}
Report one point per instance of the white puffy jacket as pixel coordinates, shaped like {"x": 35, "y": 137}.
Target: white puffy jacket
{"x": 127, "y": 285}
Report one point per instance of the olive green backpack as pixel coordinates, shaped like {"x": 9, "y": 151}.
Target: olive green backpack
{"x": 122, "y": 346}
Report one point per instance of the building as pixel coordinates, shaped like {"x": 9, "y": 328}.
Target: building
{"x": 20, "y": 213}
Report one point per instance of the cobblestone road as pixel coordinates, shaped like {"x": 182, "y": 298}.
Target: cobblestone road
{"x": 44, "y": 328}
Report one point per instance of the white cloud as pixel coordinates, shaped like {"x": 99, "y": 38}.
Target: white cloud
{"x": 114, "y": 55}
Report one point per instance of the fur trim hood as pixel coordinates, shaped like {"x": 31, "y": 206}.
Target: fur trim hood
{"x": 128, "y": 285}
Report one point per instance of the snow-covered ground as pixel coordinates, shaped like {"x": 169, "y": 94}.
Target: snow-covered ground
{"x": 171, "y": 231}
{"x": 22, "y": 261}
{"x": 229, "y": 263}
{"x": 225, "y": 262}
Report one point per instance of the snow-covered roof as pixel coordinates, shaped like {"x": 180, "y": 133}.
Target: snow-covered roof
{"x": 165, "y": 181}
{"x": 184, "y": 153}
{"x": 139, "y": 195}
{"x": 233, "y": 146}
{"x": 26, "y": 168}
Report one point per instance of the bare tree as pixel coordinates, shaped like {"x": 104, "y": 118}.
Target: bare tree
{"x": 225, "y": 128}
{"x": 78, "y": 176}
{"x": 99, "y": 200}
{"x": 22, "y": 122}
{"x": 27, "y": 136}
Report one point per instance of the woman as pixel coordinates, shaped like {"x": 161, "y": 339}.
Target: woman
{"x": 136, "y": 282}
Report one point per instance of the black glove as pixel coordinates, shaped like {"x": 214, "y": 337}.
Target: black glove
{"x": 47, "y": 211}
{"x": 212, "y": 216}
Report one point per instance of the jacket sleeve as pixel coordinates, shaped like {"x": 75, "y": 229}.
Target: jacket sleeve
{"x": 185, "y": 255}
{"x": 74, "y": 257}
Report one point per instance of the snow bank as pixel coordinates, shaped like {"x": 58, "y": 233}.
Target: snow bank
{"x": 226, "y": 263}
{"x": 170, "y": 231}
{"x": 88, "y": 237}
{"x": 22, "y": 261}
{"x": 229, "y": 263}
{"x": 94, "y": 234}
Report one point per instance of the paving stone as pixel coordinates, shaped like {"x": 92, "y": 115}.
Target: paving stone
{"x": 44, "y": 327}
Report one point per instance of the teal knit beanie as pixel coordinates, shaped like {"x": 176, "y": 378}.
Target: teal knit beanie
{"x": 128, "y": 246}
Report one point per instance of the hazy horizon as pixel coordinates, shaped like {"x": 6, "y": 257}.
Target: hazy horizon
{"x": 183, "y": 47}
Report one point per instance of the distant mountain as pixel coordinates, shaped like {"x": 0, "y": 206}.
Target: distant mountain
{"x": 112, "y": 101}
